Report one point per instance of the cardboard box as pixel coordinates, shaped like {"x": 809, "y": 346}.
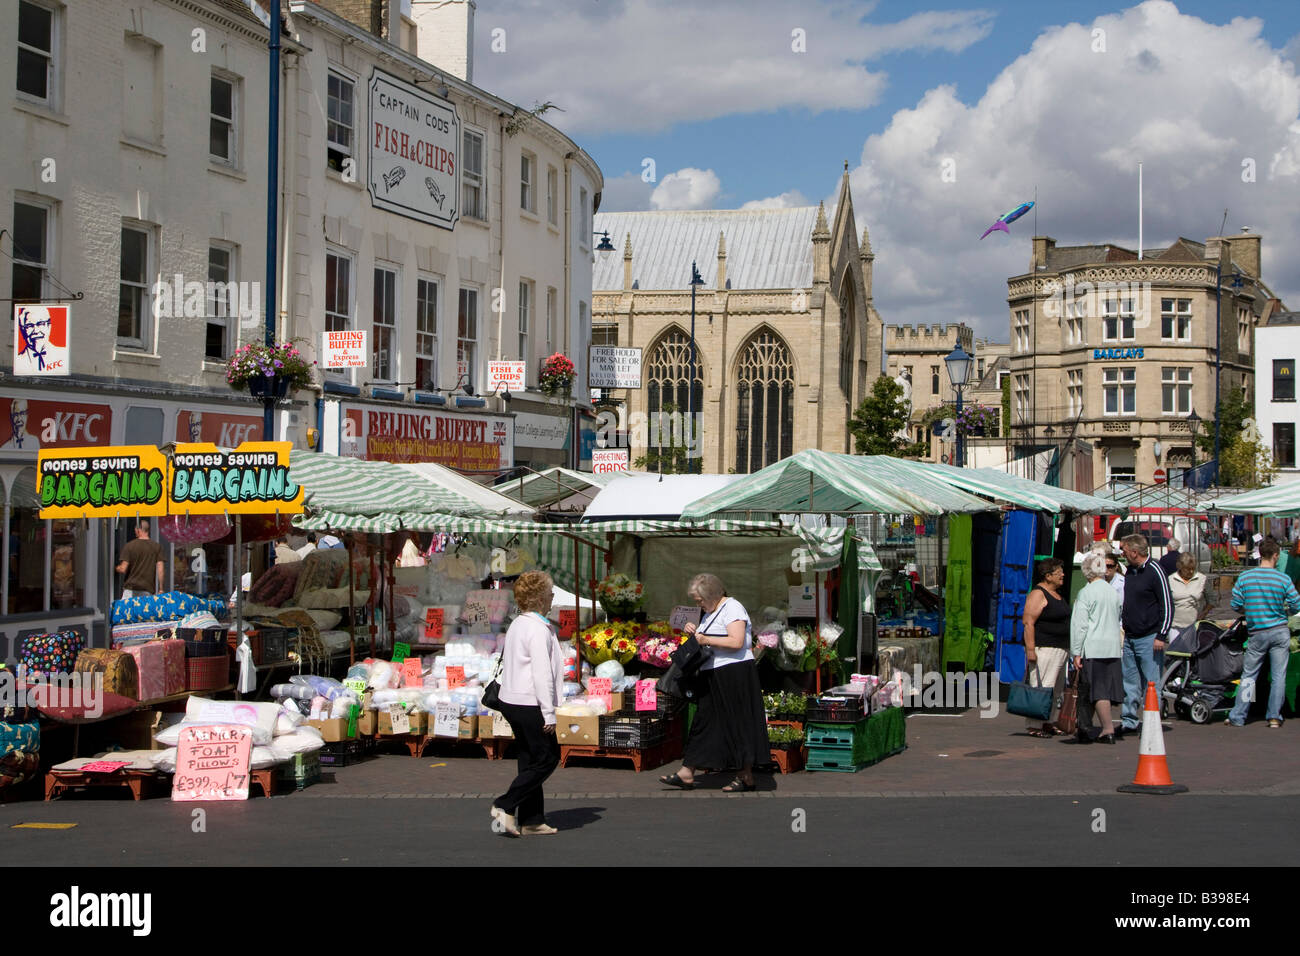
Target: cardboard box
{"x": 616, "y": 701}
{"x": 334, "y": 731}
{"x": 500, "y": 726}
{"x": 468, "y": 727}
{"x": 419, "y": 723}
{"x": 582, "y": 731}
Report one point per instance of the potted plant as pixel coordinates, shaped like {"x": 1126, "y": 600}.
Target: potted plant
{"x": 275, "y": 370}
{"x": 556, "y": 376}
{"x": 783, "y": 737}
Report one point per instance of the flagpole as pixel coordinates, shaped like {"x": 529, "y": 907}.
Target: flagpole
{"x": 1139, "y": 212}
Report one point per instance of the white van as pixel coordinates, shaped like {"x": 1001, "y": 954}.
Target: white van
{"x": 1158, "y": 527}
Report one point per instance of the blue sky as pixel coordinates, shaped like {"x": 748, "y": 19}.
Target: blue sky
{"x": 1017, "y": 94}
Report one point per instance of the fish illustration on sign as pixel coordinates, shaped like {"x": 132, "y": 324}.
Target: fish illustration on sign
{"x": 437, "y": 194}
{"x": 393, "y": 177}
{"x": 1008, "y": 217}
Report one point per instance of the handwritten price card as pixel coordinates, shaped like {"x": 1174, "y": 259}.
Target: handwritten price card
{"x": 500, "y": 726}
{"x": 399, "y": 718}
{"x": 401, "y": 652}
{"x": 212, "y": 763}
{"x": 412, "y": 673}
{"x": 446, "y": 720}
{"x": 601, "y": 687}
{"x": 568, "y": 624}
{"x": 647, "y": 695}
{"x": 455, "y": 675}
{"x": 683, "y": 614}
{"x": 105, "y": 766}
{"x": 475, "y": 614}
{"x": 433, "y": 624}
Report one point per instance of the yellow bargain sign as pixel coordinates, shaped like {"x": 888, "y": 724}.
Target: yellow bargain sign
{"x": 125, "y": 481}
{"x": 250, "y": 479}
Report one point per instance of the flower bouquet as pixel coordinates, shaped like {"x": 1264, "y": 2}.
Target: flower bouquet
{"x": 818, "y": 651}
{"x": 765, "y": 641}
{"x": 556, "y": 376}
{"x": 620, "y": 595}
{"x": 659, "y": 644}
{"x": 609, "y": 641}
{"x": 256, "y": 367}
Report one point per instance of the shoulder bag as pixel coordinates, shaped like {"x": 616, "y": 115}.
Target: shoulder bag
{"x": 492, "y": 692}
{"x": 1034, "y": 703}
{"x": 1067, "y": 722}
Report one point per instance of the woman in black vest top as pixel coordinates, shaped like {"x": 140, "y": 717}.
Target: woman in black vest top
{"x": 1047, "y": 635}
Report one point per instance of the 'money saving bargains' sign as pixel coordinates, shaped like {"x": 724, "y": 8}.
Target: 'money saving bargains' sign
{"x": 414, "y": 143}
{"x": 251, "y": 479}
{"x": 113, "y": 482}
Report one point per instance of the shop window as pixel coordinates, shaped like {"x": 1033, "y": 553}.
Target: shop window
{"x": 41, "y": 553}
{"x": 1284, "y": 444}
{"x": 1284, "y": 380}
{"x": 144, "y": 426}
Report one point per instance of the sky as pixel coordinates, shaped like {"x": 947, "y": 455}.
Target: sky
{"x": 948, "y": 115}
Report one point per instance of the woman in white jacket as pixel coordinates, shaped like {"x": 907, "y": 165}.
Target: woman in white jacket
{"x": 1096, "y": 645}
{"x": 532, "y": 683}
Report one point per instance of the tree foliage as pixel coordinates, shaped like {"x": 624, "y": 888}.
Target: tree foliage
{"x": 881, "y": 420}
{"x": 672, "y": 456}
{"x": 1244, "y": 461}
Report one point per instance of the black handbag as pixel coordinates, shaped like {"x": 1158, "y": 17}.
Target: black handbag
{"x": 691, "y": 656}
{"x": 492, "y": 692}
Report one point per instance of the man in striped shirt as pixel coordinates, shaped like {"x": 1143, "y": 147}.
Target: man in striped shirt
{"x": 1265, "y": 596}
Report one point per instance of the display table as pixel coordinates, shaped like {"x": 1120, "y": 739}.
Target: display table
{"x": 905, "y": 653}
{"x": 848, "y": 748}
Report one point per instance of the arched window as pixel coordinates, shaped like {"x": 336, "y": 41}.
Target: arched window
{"x": 764, "y": 403}
{"x": 848, "y": 322}
{"x": 667, "y": 372}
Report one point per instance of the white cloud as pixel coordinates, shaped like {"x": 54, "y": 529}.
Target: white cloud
{"x": 787, "y": 200}
{"x": 1191, "y": 100}
{"x": 688, "y": 188}
{"x": 625, "y": 193}
{"x": 616, "y": 66}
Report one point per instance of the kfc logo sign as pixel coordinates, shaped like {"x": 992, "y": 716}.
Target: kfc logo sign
{"x": 73, "y": 428}
{"x": 224, "y": 431}
{"x": 34, "y": 424}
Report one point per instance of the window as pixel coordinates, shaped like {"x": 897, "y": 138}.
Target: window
{"x": 552, "y": 194}
{"x": 338, "y": 291}
{"x": 1284, "y": 444}
{"x": 1245, "y": 326}
{"x": 551, "y": 300}
{"x": 667, "y": 378}
{"x": 1022, "y": 398}
{"x": 35, "y": 51}
{"x": 467, "y": 336}
{"x": 934, "y": 380}
{"x": 1002, "y": 377}
{"x": 1176, "y": 319}
{"x": 134, "y": 307}
{"x": 222, "y": 296}
{"x": 1074, "y": 391}
{"x": 338, "y": 121}
{"x": 764, "y": 403}
{"x": 1176, "y": 390}
{"x": 584, "y": 226}
{"x": 43, "y": 552}
{"x": 1283, "y": 379}
{"x": 1020, "y": 330}
{"x": 1075, "y": 312}
{"x": 1117, "y": 320}
{"x": 221, "y": 122}
{"x": 426, "y": 334}
{"x": 979, "y": 369}
{"x": 525, "y": 308}
{"x": 527, "y": 175}
{"x": 31, "y": 245}
{"x": 142, "y": 89}
{"x": 384, "y": 348}
{"x": 1119, "y": 386}
{"x": 1121, "y": 465}
{"x": 474, "y": 193}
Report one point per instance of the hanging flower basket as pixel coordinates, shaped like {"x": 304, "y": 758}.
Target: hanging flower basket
{"x": 556, "y": 376}
{"x": 272, "y": 370}
{"x": 277, "y": 386}
{"x": 978, "y": 420}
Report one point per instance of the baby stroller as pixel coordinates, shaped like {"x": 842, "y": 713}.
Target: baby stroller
{"x": 1205, "y": 662}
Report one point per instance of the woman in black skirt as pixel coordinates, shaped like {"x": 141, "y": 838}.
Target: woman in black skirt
{"x": 730, "y": 728}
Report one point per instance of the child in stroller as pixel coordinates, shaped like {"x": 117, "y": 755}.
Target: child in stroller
{"x": 1204, "y": 663}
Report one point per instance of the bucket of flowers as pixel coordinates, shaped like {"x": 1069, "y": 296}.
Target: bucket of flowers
{"x": 661, "y": 640}
{"x": 276, "y": 370}
{"x": 620, "y": 595}
{"x": 556, "y": 376}
{"x": 608, "y": 641}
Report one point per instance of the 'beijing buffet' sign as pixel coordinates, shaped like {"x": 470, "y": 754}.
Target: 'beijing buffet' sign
{"x": 414, "y": 143}
{"x": 138, "y": 481}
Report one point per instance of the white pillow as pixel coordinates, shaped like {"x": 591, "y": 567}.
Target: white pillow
{"x": 325, "y": 620}
{"x": 260, "y": 715}
{"x": 306, "y": 740}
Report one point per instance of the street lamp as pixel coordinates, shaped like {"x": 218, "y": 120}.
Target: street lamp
{"x": 605, "y": 247}
{"x": 696, "y": 280}
{"x": 959, "y": 363}
{"x": 1193, "y": 422}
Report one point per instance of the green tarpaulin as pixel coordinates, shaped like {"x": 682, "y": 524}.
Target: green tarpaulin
{"x": 958, "y": 637}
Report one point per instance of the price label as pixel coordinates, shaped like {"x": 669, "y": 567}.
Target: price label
{"x": 568, "y": 623}
{"x": 399, "y": 718}
{"x": 412, "y": 673}
{"x": 455, "y": 676}
{"x": 647, "y": 695}
{"x": 357, "y": 685}
{"x": 105, "y": 766}
{"x": 446, "y": 720}
{"x": 212, "y": 763}
{"x": 682, "y": 615}
{"x": 500, "y": 726}
{"x": 601, "y": 687}
{"x": 401, "y": 652}
{"x": 433, "y": 624}
{"x": 475, "y": 614}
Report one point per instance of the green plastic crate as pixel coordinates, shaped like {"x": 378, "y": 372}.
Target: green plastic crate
{"x": 835, "y": 760}
{"x": 833, "y": 735}
{"x": 302, "y": 771}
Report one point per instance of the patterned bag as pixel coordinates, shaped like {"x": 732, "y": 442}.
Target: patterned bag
{"x": 54, "y": 653}
{"x": 118, "y": 668}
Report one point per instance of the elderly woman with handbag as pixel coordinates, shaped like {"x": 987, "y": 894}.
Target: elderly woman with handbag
{"x": 1096, "y": 644}
{"x": 531, "y": 688}
{"x": 1047, "y": 636}
{"x": 730, "y": 727}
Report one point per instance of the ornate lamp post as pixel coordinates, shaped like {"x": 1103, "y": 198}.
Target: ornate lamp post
{"x": 959, "y": 364}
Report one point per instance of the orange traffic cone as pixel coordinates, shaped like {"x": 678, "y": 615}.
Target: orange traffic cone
{"x": 1153, "y": 770}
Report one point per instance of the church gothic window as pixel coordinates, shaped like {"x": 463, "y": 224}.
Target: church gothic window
{"x": 764, "y": 403}
{"x": 667, "y": 372}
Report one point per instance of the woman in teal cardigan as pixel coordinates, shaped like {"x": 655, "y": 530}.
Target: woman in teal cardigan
{"x": 1096, "y": 645}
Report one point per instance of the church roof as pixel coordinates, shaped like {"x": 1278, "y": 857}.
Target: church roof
{"x": 766, "y": 248}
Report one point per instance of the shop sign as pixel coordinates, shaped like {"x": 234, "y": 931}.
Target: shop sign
{"x": 541, "y": 431}
{"x": 35, "y": 424}
{"x": 345, "y": 349}
{"x": 250, "y": 479}
{"x": 1117, "y": 353}
{"x": 218, "y": 428}
{"x": 41, "y": 340}
{"x": 612, "y": 367}
{"x": 414, "y": 144}
{"x": 470, "y": 443}
{"x": 212, "y": 763}
{"x": 508, "y": 376}
{"x": 123, "y": 482}
{"x": 605, "y": 461}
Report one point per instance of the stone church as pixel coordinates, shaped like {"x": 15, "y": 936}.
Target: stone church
{"x": 787, "y": 338}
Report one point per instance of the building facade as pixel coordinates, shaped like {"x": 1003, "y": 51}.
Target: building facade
{"x": 915, "y": 359}
{"x": 1117, "y": 351}
{"x": 787, "y": 338}
{"x": 1277, "y": 350}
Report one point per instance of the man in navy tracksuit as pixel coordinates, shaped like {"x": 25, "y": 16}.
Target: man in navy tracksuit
{"x": 1148, "y": 616}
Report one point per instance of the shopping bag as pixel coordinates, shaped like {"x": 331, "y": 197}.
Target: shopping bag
{"x": 1034, "y": 703}
{"x": 1068, "y": 720}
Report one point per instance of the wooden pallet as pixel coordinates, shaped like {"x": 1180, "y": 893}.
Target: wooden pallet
{"x": 642, "y": 759}
{"x": 57, "y": 782}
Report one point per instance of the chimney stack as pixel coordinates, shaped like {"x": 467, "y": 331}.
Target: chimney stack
{"x": 444, "y": 36}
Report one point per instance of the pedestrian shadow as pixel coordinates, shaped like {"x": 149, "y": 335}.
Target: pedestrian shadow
{"x": 574, "y": 818}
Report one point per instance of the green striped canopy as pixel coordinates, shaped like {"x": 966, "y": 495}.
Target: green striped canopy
{"x": 1014, "y": 490}
{"x": 1278, "y": 501}
{"x": 552, "y": 486}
